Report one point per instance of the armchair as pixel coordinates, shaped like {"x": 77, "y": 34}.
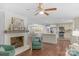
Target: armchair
{"x": 8, "y": 50}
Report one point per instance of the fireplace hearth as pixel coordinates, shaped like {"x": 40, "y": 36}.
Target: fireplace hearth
{"x": 17, "y": 41}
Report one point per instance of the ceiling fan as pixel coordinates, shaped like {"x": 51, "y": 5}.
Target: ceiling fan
{"x": 42, "y": 10}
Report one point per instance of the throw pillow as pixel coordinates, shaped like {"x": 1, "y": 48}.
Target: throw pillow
{"x": 2, "y": 49}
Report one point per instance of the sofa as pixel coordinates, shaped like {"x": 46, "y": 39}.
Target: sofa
{"x": 73, "y": 50}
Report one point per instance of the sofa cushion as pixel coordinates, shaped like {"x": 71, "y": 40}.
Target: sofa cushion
{"x": 4, "y": 53}
{"x": 36, "y": 39}
{"x": 36, "y": 43}
{"x": 36, "y": 47}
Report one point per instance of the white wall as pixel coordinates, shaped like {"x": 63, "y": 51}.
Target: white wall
{"x": 46, "y": 20}
{"x": 2, "y": 22}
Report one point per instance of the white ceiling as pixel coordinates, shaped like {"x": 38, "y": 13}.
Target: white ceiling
{"x": 64, "y": 10}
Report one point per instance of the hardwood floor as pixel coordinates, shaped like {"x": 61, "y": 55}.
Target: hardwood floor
{"x": 58, "y": 49}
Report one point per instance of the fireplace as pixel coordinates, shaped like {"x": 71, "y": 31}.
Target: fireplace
{"x": 17, "y": 41}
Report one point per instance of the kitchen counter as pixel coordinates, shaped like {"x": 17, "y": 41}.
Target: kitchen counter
{"x": 49, "y": 38}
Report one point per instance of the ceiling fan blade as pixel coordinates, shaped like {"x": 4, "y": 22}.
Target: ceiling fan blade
{"x": 36, "y": 12}
{"x": 46, "y": 13}
{"x": 50, "y": 9}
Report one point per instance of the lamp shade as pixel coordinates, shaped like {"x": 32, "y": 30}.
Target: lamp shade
{"x": 75, "y": 33}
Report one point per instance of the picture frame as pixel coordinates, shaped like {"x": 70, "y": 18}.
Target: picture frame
{"x": 17, "y": 24}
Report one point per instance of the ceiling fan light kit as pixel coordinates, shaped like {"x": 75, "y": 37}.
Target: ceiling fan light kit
{"x": 41, "y": 12}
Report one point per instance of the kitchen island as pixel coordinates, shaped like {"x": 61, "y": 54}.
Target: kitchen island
{"x": 49, "y": 38}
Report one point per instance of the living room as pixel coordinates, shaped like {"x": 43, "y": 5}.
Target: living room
{"x": 39, "y": 29}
